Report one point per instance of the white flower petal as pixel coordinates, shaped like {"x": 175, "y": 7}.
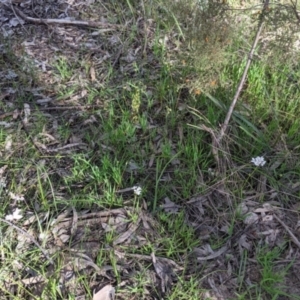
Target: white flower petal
{"x": 9, "y": 218}
{"x": 137, "y": 190}
{"x": 258, "y": 161}
{"x": 16, "y": 215}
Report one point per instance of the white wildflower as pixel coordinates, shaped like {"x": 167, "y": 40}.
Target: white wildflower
{"x": 258, "y": 161}
{"x": 43, "y": 236}
{"x": 16, "y": 197}
{"x": 137, "y": 190}
{"x": 16, "y": 215}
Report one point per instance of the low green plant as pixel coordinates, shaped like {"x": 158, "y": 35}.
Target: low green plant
{"x": 182, "y": 238}
{"x": 272, "y": 282}
{"x": 64, "y": 69}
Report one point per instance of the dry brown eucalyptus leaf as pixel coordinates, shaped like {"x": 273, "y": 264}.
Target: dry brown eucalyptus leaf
{"x": 129, "y": 233}
{"x": 93, "y": 74}
{"x": 106, "y": 293}
{"x": 170, "y": 207}
{"x": 250, "y": 218}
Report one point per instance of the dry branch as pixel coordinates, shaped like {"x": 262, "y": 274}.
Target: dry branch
{"x": 61, "y": 21}
{"x": 49, "y": 108}
{"x": 241, "y": 85}
{"x": 30, "y": 237}
{"x": 243, "y": 79}
{"x": 296, "y": 12}
{"x": 217, "y": 138}
{"x": 293, "y": 237}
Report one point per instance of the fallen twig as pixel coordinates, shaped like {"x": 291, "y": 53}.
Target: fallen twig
{"x": 294, "y": 6}
{"x": 293, "y": 237}
{"x": 30, "y": 237}
{"x": 14, "y": 11}
{"x": 62, "y": 148}
{"x": 61, "y": 21}
{"x": 148, "y": 258}
{"x": 59, "y": 107}
{"x": 215, "y": 254}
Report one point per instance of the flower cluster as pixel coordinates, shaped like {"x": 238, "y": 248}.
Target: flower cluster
{"x": 137, "y": 190}
{"x": 16, "y": 215}
{"x": 258, "y": 161}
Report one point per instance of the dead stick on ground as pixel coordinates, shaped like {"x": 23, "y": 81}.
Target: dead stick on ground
{"x": 30, "y": 237}
{"x": 294, "y": 239}
{"x": 12, "y": 8}
{"x": 62, "y": 21}
{"x": 79, "y": 107}
{"x": 294, "y": 7}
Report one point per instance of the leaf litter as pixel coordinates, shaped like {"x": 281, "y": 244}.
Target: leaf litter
{"x": 75, "y": 238}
